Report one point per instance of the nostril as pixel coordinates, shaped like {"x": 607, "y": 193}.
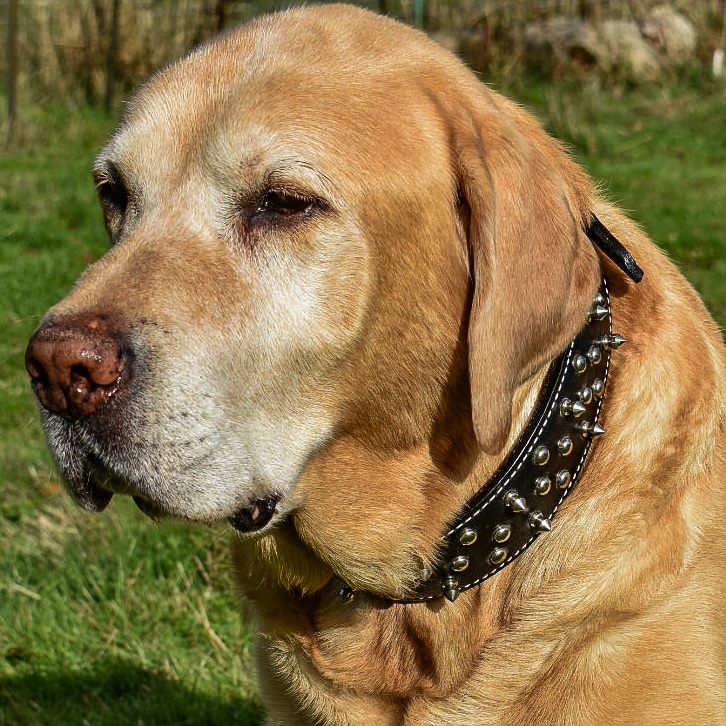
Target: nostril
{"x": 35, "y": 370}
{"x": 79, "y": 371}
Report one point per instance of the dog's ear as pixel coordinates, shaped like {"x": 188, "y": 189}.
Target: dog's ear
{"x": 525, "y": 205}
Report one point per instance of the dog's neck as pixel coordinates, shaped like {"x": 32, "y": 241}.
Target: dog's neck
{"x": 328, "y": 541}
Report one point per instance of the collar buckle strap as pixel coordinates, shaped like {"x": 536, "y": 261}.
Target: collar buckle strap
{"x": 601, "y": 236}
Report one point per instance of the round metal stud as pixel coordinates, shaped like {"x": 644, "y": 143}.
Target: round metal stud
{"x": 501, "y": 533}
{"x": 498, "y": 555}
{"x": 541, "y": 455}
{"x": 594, "y": 354}
{"x": 467, "y": 536}
{"x": 599, "y": 299}
{"x": 563, "y": 478}
{"x": 564, "y": 445}
{"x": 585, "y": 395}
{"x": 460, "y": 563}
{"x": 579, "y": 363}
{"x": 542, "y": 485}
{"x": 598, "y": 388}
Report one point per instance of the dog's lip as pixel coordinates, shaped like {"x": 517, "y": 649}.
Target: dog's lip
{"x": 256, "y": 515}
{"x": 91, "y": 496}
{"x": 102, "y": 484}
{"x": 149, "y": 508}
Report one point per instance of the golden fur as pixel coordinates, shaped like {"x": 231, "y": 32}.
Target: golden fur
{"x": 453, "y": 269}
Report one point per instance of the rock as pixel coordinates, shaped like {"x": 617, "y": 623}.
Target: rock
{"x": 559, "y": 43}
{"x": 672, "y": 34}
{"x": 629, "y": 53}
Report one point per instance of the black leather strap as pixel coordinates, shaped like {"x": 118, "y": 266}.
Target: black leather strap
{"x": 601, "y": 236}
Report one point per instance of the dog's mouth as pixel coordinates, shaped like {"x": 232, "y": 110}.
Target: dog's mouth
{"x": 99, "y": 491}
{"x": 245, "y": 520}
{"x": 256, "y": 516}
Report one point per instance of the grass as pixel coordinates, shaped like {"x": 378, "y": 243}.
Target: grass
{"x": 108, "y": 619}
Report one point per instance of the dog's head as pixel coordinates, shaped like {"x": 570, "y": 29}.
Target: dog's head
{"x": 322, "y": 226}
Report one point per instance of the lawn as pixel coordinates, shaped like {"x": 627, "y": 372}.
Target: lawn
{"x": 111, "y": 620}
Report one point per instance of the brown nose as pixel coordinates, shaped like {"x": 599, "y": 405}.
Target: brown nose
{"x": 76, "y": 365}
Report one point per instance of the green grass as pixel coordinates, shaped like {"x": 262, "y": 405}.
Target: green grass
{"x": 110, "y": 620}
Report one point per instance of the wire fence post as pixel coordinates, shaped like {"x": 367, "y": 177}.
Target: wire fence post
{"x": 12, "y": 66}
{"x": 418, "y": 13}
{"x": 111, "y": 56}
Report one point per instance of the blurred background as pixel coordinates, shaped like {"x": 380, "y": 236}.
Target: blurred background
{"x": 111, "y": 620}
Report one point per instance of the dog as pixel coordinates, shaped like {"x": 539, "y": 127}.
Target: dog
{"x": 340, "y": 270}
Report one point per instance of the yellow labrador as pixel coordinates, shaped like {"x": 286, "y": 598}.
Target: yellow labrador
{"x": 342, "y": 272}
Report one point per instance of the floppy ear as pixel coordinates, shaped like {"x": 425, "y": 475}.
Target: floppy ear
{"x": 534, "y": 269}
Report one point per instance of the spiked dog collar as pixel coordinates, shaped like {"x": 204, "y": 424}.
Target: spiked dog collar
{"x": 519, "y": 501}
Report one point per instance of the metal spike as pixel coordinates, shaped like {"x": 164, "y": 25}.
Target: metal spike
{"x": 590, "y": 430}
{"x": 612, "y": 341}
{"x": 467, "y": 536}
{"x": 451, "y": 589}
{"x": 571, "y": 408}
{"x": 516, "y": 503}
{"x": 597, "y": 430}
{"x": 542, "y": 485}
{"x": 426, "y": 573}
{"x": 498, "y": 555}
{"x": 564, "y": 445}
{"x": 538, "y": 521}
{"x": 579, "y": 363}
{"x": 578, "y": 409}
{"x": 501, "y": 533}
{"x": 598, "y": 388}
{"x": 541, "y": 455}
{"x": 598, "y": 312}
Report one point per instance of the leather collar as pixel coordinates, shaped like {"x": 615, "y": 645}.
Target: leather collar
{"x": 520, "y": 500}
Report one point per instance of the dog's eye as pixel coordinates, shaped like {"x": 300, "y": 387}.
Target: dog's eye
{"x": 283, "y": 204}
{"x": 114, "y": 196}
